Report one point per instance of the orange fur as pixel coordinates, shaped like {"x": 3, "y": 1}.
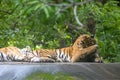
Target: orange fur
{"x": 83, "y": 49}
{"x": 75, "y": 53}
{"x": 11, "y": 53}
{"x": 10, "y": 50}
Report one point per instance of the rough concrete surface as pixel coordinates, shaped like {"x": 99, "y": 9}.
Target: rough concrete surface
{"x": 90, "y": 71}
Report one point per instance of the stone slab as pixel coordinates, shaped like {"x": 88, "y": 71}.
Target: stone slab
{"x": 90, "y": 71}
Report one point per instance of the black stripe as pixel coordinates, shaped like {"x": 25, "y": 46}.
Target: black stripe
{"x": 2, "y": 57}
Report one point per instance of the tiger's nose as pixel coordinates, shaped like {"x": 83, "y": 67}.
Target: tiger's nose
{"x": 92, "y": 36}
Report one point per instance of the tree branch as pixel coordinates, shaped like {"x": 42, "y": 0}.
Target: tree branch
{"x": 64, "y": 6}
{"x": 76, "y": 17}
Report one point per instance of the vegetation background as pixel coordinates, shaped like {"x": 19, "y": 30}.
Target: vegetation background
{"x": 54, "y": 24}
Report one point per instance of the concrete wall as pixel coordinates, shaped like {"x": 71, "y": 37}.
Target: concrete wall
{"x": 90, "y": 71}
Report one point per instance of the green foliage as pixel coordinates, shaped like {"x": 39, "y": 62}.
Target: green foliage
{"x": 108, "y": 31}
{"x": 48, "y": 76}
{"x": 46, "y": 24}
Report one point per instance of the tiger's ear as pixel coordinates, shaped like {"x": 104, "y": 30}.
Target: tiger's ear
{"x": 28, "y": 48}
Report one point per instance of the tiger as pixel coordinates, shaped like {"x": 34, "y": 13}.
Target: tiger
{"x": 12, "y": 53}
{"x": 86, "y": 42}
{"x": 27, "y": 51}
{"x": 83, "y": 47}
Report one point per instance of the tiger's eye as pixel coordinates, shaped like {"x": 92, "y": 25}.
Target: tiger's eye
{"x": 81, "y": 42}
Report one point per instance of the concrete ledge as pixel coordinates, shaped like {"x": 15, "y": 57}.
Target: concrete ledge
{"x": 90, "y": 71}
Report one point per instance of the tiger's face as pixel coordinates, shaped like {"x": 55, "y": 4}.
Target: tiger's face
{"x": 84, "y": 41}
{"x": 83, "y": 48}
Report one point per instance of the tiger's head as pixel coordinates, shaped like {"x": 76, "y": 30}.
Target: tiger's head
{"x": 84, "y": 41}
{"x": 84, "y": 49}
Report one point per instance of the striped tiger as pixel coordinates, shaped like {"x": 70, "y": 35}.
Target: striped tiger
{"x": 82, "y": 47}
{"x": 27, "y": 51}
{"x": 12, "y": 53}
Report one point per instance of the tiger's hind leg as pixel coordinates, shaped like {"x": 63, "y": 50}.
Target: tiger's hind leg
{"x": 4, "y": 57}
{"x": 41, "y": 59}
{"x": 1, "y": 57}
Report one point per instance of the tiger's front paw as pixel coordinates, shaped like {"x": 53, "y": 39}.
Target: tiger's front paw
{"x": 99, "y": 60}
